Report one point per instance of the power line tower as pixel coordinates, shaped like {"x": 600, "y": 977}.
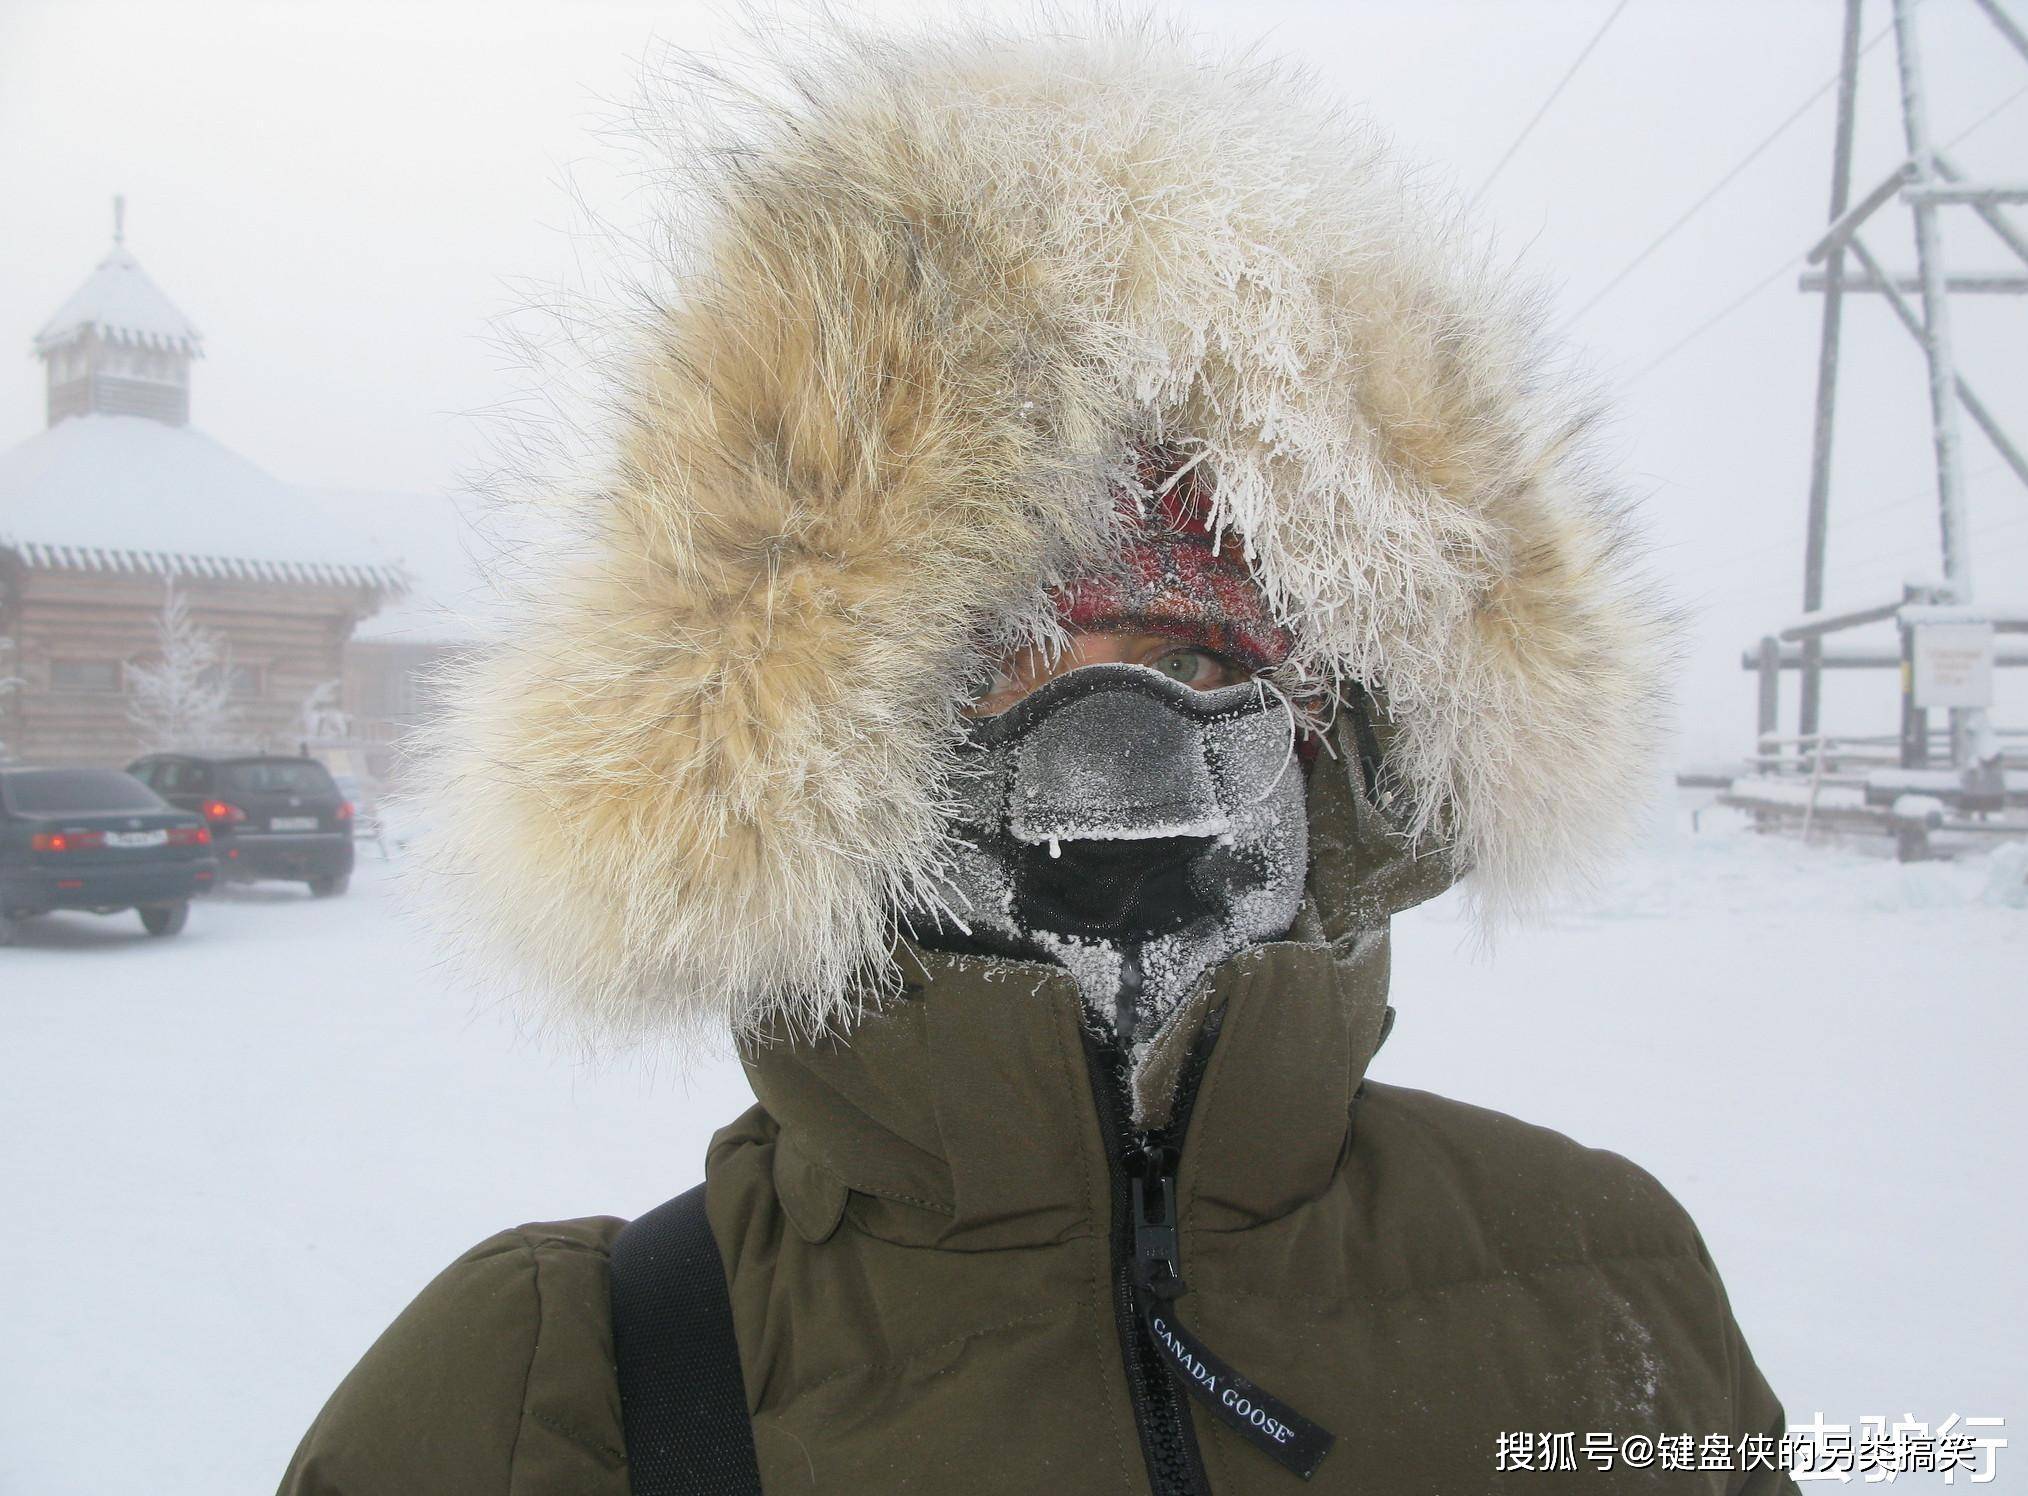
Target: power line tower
{"x": 1948, "y": 651}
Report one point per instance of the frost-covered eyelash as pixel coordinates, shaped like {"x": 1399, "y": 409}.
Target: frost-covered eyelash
{"x": 1187, "y": 634}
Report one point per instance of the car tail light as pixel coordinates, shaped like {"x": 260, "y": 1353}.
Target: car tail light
{"x": 344, "y": 810}
{"x": 189, "y": 836}
{"x": 219, "y": 810}
{"x": 66, "y": 841}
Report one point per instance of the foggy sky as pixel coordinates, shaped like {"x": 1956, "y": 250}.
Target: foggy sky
{"x": 342, "y": 196}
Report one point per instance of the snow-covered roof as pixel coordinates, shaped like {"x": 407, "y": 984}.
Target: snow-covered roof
{"x": 122, "y": 305}
{"x": 124, "y": 493}
{"x": 225, "y": 568}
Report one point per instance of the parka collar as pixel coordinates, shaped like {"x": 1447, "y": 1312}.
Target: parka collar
{"x": 962, "y": 1115}
{"x": 961, "y": 1112}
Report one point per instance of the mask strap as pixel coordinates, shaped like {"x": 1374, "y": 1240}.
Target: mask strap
{"x": 1262, "y": 683}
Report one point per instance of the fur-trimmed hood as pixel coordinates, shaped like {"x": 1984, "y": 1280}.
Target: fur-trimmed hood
{"x": 926, "y": 300}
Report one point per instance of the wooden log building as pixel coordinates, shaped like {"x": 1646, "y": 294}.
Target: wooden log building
{"x": 119, "y": 498}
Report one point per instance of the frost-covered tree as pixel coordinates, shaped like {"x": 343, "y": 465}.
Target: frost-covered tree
{"x": 9, "y": 684}
{"x": 320, "y": 716}
{"x": 183, "y": 699}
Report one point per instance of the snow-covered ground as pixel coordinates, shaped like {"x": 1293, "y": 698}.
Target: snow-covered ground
{"x": 230, "y": 1158}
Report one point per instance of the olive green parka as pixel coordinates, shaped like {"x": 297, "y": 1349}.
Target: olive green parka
{"x": 919, "y": 1225}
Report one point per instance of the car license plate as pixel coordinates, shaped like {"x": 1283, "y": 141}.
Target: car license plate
{"x": 136, "y": 838}
{"x": 293, "y": 823}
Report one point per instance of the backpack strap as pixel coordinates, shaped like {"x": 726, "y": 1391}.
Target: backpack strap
{"x": 682, "y": 1397}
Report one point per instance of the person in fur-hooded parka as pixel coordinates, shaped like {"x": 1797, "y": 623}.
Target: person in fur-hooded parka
{"x": 952, "y": 326}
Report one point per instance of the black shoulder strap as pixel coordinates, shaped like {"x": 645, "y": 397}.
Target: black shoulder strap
{"x": 682, "y": 1399}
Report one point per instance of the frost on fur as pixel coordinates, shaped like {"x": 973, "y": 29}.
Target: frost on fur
{"x": 911, "y": 306}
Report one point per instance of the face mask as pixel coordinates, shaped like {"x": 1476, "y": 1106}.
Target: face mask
{"x": 1119, "y": 822}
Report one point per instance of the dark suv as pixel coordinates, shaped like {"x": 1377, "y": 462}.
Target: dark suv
{"x": 97, "y": 839}
{"x": 270, "y": 816}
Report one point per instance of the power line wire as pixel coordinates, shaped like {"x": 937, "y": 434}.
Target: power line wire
{"x": 1983, "y": 120}
{"x": 1713, "y": 320}
{"x": 1554, "y": 94}
{"x": 1719, "y": 186}
{"x": 1899, "y": 555}
{"x": 1796, "y": 259}
{"x": 1846, "y": 523}
{"x": 1846, "y": 568}
{"x": 1865, "y": 568}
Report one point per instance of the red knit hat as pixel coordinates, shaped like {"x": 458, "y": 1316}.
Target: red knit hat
{"x": 1175, "y": 575}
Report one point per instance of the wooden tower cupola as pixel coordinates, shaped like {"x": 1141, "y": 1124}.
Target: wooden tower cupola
{"x": 119, "y": 346}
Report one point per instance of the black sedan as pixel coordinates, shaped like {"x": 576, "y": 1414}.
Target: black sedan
{"x": 271, "y": 816}
{"x": 100, "y": 840}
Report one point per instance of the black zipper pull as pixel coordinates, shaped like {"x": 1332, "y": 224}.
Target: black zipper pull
{"x": 1257, "y": 1415}
{"x": 1157, "y": 1255}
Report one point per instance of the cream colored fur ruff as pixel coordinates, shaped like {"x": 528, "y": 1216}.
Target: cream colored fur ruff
{"x": 919, "y": 302}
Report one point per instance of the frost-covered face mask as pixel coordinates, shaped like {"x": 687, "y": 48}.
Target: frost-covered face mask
{"x": 1135, "y": 831}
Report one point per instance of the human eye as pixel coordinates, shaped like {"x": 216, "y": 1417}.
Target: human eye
{"x": 993, "y": 692}
{"x": 997, "y": 687}
{"x": 1197, "y": 668}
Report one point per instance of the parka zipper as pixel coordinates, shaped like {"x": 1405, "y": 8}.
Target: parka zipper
{"x": 1143, "y": 1171}
{"x": 1147, "y": 1280}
